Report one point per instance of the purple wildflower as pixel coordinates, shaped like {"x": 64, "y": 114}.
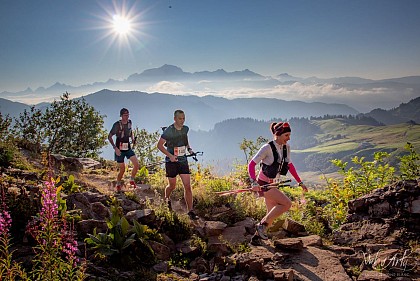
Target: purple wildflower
{"x": 49, "y": 211}
{"x": 5, "y": 222}
{"x": 5, "y": 219}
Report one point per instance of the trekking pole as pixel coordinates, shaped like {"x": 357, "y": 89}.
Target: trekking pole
{"x": 193, "y": 155}
{"x": 264, "y": 187}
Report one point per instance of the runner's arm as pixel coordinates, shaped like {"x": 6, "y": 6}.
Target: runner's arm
{"x": 294, "y": 173}
{"x": 161, "y": 147}
{"x": 110, "y": 139}
{"x": 251, "y": 170}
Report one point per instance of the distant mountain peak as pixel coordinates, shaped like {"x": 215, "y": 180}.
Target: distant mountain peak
{"x": 164, "y": 69}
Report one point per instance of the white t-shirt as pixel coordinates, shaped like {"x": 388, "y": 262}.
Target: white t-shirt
{"x": 265, "y": 155}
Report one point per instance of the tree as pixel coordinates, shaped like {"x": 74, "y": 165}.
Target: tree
{"x": 145, "y": 148}
{"x": 73, "y": 128}
{"x": 250, "y": 147}
{"x": 28, "y": 129}
{"x": 5, "y": 123}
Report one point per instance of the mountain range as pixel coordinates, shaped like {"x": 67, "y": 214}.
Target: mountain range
{"x": 218, "y": 125}
{"x": 361, "y": 94}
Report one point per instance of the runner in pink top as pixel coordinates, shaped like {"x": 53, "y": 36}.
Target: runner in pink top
{"x": 276, "y": 201}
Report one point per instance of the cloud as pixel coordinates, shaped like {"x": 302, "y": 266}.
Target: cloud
{"x": 168, "y": 87}
{"x": 362, "y": 99}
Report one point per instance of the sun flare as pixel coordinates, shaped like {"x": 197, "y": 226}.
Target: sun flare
{"x": 121, "y": 25}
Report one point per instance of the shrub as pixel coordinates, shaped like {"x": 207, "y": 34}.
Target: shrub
{"x": 6, "y": 154}
{"x": 357, "y": 181}
{"x": 410, "y": 164}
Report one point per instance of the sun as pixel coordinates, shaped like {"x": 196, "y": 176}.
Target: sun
{"x": 121, "y": 25}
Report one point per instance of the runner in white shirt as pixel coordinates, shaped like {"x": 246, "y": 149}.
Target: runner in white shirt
{"x": 276, "y": 201}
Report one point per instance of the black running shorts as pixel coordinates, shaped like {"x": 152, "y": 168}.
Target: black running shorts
{"x": 177, "y": 168}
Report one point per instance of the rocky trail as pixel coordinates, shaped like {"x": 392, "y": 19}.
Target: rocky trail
{"x": 374, "y": 243}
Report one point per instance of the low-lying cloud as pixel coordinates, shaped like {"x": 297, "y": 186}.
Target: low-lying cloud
{"x": 363, "y": 98}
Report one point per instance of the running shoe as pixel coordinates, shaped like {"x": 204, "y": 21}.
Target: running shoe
{"x": 262, "y": 231}
{"x": 133, "y": 184}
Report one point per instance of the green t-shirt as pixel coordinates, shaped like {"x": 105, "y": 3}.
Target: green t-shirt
{"x": 176, "y": 141}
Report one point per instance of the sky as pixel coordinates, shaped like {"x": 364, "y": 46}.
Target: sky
{"x": 75, "y": 42}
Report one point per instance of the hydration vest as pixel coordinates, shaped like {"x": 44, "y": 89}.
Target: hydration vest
{"x": 121, "y": 137}
{"x": 275, "y": 168}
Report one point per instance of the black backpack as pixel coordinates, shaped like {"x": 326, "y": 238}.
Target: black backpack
{"x": 272, "y": 170}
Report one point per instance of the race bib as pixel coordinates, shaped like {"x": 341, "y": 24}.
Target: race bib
{"x": 124, "y": 146}
{"x": 179, "y": 150}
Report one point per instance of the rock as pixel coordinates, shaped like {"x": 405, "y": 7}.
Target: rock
{"x": 379, "y": 210}
{"x": 180, "y": 271}
{"x": 186, "y": 248}
{"x": 161, "y": 267}
{"x": 101, "y": 212}
{"x": 86, "y": 227}
{"x": 289, "y": 244}
{"x": 357, "y": 205}
{"x": 341, "y": 249}
{"x": 79, "y": 201}
{"x": 312, "y": 240}
{"x": 248, "y": 223}
{"x": 168, "y": 242}
{"x": 214, "y": 228}
{"x": 234, "y": 235}
{"x": 283, "y": 275}
{"x": 21, "y": 174}
{"x": 162, "y": 252}
{"x": 146, "y": 216}
{"x": 293, "y": 226}
{"x": 415, "y": 206}
{"x": 128, "y": 205}
{"x": 200, "y": 265}
{"x": 217, "y": 247}
{"x": 73, "y": 163}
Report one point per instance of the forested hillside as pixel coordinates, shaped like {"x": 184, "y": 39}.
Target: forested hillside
{"x": 314, "y": 141}
{"x": 403, "y": 113}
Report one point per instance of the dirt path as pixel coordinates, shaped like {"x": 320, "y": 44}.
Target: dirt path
{"x": 106, "y": 184}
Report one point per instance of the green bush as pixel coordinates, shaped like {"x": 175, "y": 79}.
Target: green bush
{"x": 410, "y": 164}
{"x": 6, "y": 154}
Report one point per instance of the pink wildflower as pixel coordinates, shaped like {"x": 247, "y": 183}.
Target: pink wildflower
{"x": 5, "y": 222}
{"x": 5, "y": 219}
{"x": 49, "y": 211}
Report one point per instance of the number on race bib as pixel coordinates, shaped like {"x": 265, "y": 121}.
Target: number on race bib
{"x": 124, "y": 146}
{"x": 179, "y": 151}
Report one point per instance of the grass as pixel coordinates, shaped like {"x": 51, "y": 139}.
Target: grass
{"x": 355, "y": 136}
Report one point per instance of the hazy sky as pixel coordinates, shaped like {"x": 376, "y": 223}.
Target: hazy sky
{"x": 74, "y": 42}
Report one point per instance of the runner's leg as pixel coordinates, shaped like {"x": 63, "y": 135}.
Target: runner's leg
{"x": 121, "y": 172}
{"x": 277, "y": 203}
{"x": 135, "y": 162}
{"x": 170, "y": 187}
{"x": 188, "y": 196}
